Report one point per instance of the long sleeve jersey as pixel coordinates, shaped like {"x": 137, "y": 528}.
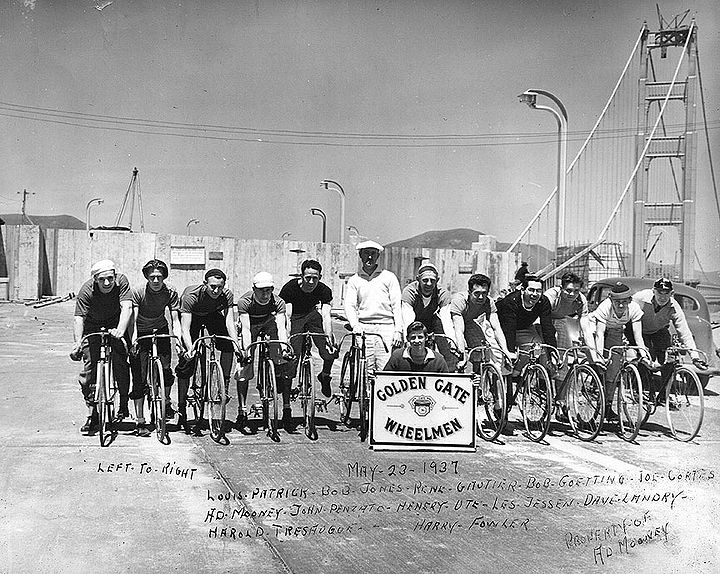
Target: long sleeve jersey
{"x": 373, "y": 299}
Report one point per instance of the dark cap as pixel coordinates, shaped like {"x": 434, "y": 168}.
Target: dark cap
{"x": 663, "y": 284}
{"x": 215, "y": 273}
{"x": 620, "y": 291}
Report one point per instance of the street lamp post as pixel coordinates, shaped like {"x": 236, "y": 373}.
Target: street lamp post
{"x": 321, "y": 213}
{"x": 354, "y": 230}
{"x": 326, "y": 184}
{"x": 529, "y": 97}
{"x": 285, "y": 235}
{"x": 95, "y": 201}
{"x": 193, "y": 221}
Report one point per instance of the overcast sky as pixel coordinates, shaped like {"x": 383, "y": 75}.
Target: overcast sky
{"x": 354, "y": 67}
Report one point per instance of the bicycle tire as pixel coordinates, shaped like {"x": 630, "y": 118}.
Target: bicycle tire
{"x": 347, "y": 386}
{"x": 196, "y": 389}
{"x": 216, "y": 400}
{"x": 307, "y": 388}
{"x": 536, "y": 402}
{"x": 363, "y": 401}
{"x": 490, "y": 404}
{"x": 102, "y": 407}
{"x": 270, "y": 402}
{"x": 630, "y": 403}
{"x": 586, "y": 402}
{"x": 157, "y": 392}
{"x": 684, "y": 404}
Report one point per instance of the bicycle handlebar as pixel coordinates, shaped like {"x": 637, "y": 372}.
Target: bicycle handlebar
{"x": 103, "y": 334}
{"x": 267, "y": 342}
{"x": 199, "y": 340}
{"x": 156, "y": 336}
{"x": 309, "y": 333}
{"x": 451, "y": 343}
{"x": 641, "y": 352}
{"x": 575, "y": 352}
{"x": 676, "y": 350}
{"x": 353, "y": 335}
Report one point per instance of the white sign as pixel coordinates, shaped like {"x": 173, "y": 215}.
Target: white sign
{"x": 187, "y": 255}
{"x": 422, "y": 411}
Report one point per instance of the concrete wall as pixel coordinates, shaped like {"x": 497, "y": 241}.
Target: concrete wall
{"x": 58, "y": 261}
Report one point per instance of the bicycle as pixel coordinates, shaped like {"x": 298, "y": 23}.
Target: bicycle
{"x": 628, "y": 390}
{"x": 490, "y": 393}
{"x": 584, "y": 394}
{"x": 354, "y": 387}
{"x": 535, "y": 389}
{"x": 156, "y": 383}
{"x": 267, "y": 383}
{"x": 107, "y": 396}
{"x": 208, "y": 386}
{"x": 306, "y": 383}
{"x": 683, "y": 395}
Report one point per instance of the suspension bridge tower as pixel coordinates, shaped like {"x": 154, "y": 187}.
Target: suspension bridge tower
{"x": 665, "y": 186}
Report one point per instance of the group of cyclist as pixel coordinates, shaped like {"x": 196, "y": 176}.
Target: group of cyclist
{"x": 423, "y": 313}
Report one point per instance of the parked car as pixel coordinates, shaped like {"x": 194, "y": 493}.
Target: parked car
{"x": 692, "y": 302}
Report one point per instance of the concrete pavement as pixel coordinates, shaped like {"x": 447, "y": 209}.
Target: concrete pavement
{"x": 68, "y": 505}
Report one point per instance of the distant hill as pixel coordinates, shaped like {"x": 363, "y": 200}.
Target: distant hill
{"x": 537, "y": 256}
{"x": 45, "y": 221}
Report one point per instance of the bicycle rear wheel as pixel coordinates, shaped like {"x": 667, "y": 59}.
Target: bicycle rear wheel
{"x": 684, "y": 404}
{"x": 586, "y": 402}
{"x": 490, "y": 408}
{"x": 536, "y": 402}
{"x": 364, "y": 401}
{"x": 216, "y": 400}
{"x": 157, "y": 393}
{"x": 630, "y": 402}
{"x": 307, "y": 388}
{"x": 347, "y": 386}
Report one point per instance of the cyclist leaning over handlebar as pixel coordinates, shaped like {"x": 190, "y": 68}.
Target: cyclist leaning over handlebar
{"x": 611, "y": 317}
{"x": 373, "y": 305}
{"x": 149, "y": 304}
{"x": 425, "y": 301}
{"x": 208, "y": 305}
{"x": 659, "y": 310}
{"x": 103, "y": 302}
{"x": 302, "y": 298}
{"x": 261, "y": 311}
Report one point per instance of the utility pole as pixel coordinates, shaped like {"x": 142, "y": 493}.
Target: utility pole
{"x": 25, "y": 219}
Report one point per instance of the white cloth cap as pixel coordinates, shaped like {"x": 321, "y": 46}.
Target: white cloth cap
{"x": 369, "y": 245}
{"x": 263, "y": 279}
{"x": 101, "y": 267}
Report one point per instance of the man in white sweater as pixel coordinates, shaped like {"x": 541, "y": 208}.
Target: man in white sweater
{"x": 373, "y": 305}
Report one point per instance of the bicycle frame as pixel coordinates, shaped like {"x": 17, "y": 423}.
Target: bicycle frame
{"x": 306, "y": 383}
{"x": 490, "y": 393}
{"x": 106, "y": 391}
{"x": 536, "y": 389}
{"x": 628, "y": 383}
{"x": 267, "y": 383}
{"x": 157, "y": 387}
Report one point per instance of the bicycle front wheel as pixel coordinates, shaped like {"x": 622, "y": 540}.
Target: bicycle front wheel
{"x": 348, "y": 386}
{"x": 490, "y": 409}
{"x": 536, "y": 402}
{"x": 157, "y": 393}
{"x": 270, "y": 399}
{"x": 307, "y": 388}
{"x": 684, "y": 404}
{"x": 364, "y": 401}
{"x": 586, "y": 402}
{"x": 104, "y": 416}
{"x": 630, "y": 402}
{"x": 216, "y": 400}
{"x": 195, "y": 395}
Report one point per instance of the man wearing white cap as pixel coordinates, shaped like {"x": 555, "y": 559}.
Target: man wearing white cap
{"x": 425, "y": 301}
{"x": 103, "y": 302}
{"x": 373, "y": 304}
{"x": 260, "y": 311}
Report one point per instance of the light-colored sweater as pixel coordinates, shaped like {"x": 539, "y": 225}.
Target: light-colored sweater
{"x": 373, "y": 299}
